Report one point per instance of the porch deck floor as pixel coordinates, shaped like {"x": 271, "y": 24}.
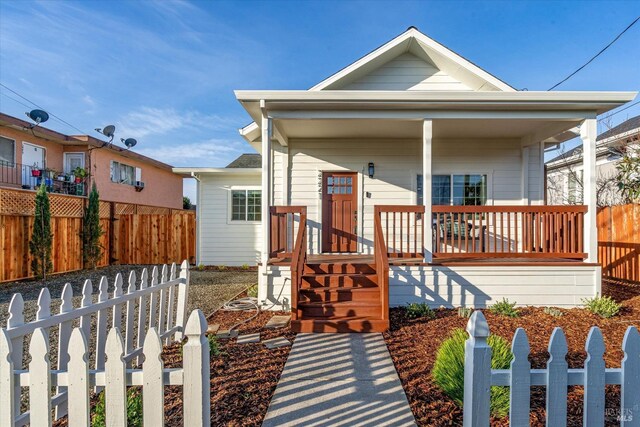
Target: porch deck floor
{"x": 493, "y": 262}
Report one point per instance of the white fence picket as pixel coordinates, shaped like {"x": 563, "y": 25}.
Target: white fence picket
{"x": 594, "y": 381}
{"x": 163, "y": 302}
{"x": 64, "y": 334}
{"x": 557, "y": 379}
{"x": 183, "y": 292}
{"x": 142, "y": 313}
{"x": 153, "y": 388}
{"x": 79, "y": 409}
{"x": 117, "y": 309}
{"x": 101, "y": 326}
{"x": 171, "y": 304}
{"x": 520, "y": 387}
{"x": 195, "y": 361}
{"x": 153, "y": 305}
{"x": 7, "y": 386}
{"x": 87, "y": 301}
{"x": 116, "y": 382}
{"x": 44, "y": 306}
{"x": 630, "y": 381}
{"x": 477, "y": 371}
{"x": 130, "y": 317}
{"x": 39, "y": 379}
{"x": 15, "y": 320}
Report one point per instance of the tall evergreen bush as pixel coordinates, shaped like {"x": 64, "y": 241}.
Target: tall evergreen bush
{"x": 92, "y": 230}
{"x": 41, "y": 237}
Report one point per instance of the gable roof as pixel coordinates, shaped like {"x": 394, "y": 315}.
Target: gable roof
{"x": 425, "y": 48}
{"x": 247, "y": 160}
{"x": 622, "y": 128}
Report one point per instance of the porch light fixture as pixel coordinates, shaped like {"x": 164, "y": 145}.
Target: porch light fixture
{"x": 372, "y": 169}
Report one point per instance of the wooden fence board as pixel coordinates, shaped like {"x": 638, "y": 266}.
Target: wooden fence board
{"x": 133, "y": 234}
{"x": 619, "y": 242}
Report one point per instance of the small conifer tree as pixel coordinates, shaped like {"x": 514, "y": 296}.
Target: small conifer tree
{"x": 41, "y": 237}
{"x": 92, "y": 230}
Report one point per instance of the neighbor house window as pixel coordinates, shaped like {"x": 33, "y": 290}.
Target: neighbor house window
{"x": 456, "y": 189}
{"x": 575, "y": 186}
{"x": 245, "y": 205}
{"x": 124, "y": 174}
{"x": 7, "y": 151}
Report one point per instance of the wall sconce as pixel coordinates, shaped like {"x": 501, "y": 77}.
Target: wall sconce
{"x": 372, "y": 170}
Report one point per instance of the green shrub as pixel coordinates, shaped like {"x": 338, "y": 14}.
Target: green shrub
{"x": 602, "y": 306}
{"x": 552, "y": 311}
{"x": 465, "y": 312}
{"x": 245, "y": 266}
{"x": 200, "y": 267}
{"x": 222, "y": 267}
{"x": 422, "y": 309}
{"x": 214, "y": 346}
{"x": 505, "y": 308}
{"x": 134, "y": 409}
{"x": 253, "y": 291}
{"x": 448, "y": 370}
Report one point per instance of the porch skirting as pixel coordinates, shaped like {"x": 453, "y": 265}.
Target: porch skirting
{"x": 462, "y": 286}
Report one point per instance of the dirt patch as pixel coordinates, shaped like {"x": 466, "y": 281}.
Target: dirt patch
{"x": 243, "y": 376}
{"x": 413, "y": 345}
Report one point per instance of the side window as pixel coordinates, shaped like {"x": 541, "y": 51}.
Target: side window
{"x": 7, "y": 151}
{"x": 246, "y": 205}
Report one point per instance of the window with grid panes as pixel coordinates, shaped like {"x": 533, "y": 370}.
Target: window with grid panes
{"x": 246, "y": 205}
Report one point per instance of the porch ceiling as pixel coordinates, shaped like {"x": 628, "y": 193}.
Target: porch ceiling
{"x": 442, "y": 128}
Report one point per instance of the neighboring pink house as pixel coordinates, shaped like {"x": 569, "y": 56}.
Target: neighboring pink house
{"x": 29, "y": 157}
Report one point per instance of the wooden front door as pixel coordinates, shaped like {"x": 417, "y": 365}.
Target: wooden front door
{"x": 339, "y": 212}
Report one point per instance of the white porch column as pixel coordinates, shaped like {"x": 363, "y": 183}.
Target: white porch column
{"x": 266, "y": 183}
{"x": 427, "y": 135}
{"x": 588, "y": 134}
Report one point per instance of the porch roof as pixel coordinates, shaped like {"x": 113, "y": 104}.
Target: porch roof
{"x": 417, "y": 105}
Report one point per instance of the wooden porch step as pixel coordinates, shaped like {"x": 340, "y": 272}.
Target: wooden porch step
{"x": 339, "y": 280}
{"x": 333, "y": 294}
{"x": 340, "y": 309}
{"x": 340, "y": 324}
{"x": 340, "y": 268}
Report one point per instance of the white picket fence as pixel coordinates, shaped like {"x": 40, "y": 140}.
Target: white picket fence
{"x": 479, "y": 377}
{"x": 159, "y": 306}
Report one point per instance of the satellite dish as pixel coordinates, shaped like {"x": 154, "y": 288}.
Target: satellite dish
{"x": 107, "y": 131}
{"x": 129, "y": 142}
{"x": 38, "y": 116}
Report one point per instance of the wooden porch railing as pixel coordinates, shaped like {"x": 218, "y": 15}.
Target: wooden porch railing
{"x": 382, "y": 260}
{"x": 483, "y": 231}
{"x": 508, "y": 232}
{"x": 283, "y": 229}
{"x": 298, "y": 258}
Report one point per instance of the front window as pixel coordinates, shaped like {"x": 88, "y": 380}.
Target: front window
{"x": 246, "y": 205}
{"x": 457, "y": 190}
{"x": 7, "y": 151}
{"x": 124, "y": 174}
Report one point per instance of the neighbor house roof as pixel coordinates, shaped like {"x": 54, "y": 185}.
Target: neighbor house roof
{"x": 610, "y": 134}
{"x": 247, "y": 160}
{"x": 60, "y": 138}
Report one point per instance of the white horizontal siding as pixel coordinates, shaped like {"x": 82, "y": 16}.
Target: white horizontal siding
{"x": 407, "y": 72}
{"x": 222, "y": 242}
{"x": 482, "y": 286}
{"x": 397, "y": 163}
{"x": 536, "y": 178}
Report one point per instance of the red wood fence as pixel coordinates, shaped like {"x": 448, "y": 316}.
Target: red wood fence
{"x": 619, "y": 242}
{"x": 134, "y": 234}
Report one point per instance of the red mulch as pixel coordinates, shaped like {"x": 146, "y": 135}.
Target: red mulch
{"x": 413, "y": 345}
{"x": 243, "y": 376}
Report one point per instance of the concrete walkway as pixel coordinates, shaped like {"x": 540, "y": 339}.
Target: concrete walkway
{"x": 339, "y": 380}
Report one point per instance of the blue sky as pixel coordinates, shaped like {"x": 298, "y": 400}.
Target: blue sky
{"x": 164, "y": 71}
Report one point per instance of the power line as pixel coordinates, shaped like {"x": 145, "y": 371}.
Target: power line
{"x": 619, "y": 111}
{"x": 42, "y": 108}
{"x": 596, "y": 55}
{"x": 16, "y": 100}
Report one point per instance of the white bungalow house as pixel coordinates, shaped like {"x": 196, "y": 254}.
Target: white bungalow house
{"x": 411, "y": 175}
{"x": 565, "y": 171}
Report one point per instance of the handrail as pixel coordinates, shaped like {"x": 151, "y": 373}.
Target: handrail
{"x": 298, "y": 260}
{"x": 382, "y": 261}
{"x": 282, "y": 222}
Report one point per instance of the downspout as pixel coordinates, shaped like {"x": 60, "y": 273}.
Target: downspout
{"x": 198, "y": 222}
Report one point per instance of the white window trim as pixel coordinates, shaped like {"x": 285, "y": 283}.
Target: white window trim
{"x": 14, "y": 151}
{"x": 229, "y": 204}
{"x": 489, "y": 201}
{"x": 135, "y": 169}
{"x": 65, "y": 155}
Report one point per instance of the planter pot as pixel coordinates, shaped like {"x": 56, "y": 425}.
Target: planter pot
{"x": 36, "y": 172}
{"x": 78, "y": 180}
{"x": 62, "y": 178}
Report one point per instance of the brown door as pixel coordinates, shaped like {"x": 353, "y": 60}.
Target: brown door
{"x": 339, "y": 211}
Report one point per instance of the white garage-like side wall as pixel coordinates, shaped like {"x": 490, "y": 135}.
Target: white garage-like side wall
{"x": 220, "y": 240}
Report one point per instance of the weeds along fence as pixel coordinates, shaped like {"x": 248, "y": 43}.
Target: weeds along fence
{"x": 149, "y": 312}
{"x": 619, "y": 242}
{"x": 556, "y": 378}
{"x": 133, "y": 234}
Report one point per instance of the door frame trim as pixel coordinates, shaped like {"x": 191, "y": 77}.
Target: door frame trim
{"x": 359, "y": 207}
